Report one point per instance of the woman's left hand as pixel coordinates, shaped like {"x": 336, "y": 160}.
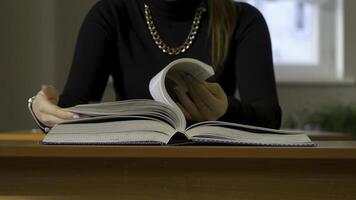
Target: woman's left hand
{"x": 205, "y": 102}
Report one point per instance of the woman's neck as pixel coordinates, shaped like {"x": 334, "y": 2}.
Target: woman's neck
{"x": 175, "y": 9}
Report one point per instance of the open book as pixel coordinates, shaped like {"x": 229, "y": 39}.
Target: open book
{"x": 160, "y": 121}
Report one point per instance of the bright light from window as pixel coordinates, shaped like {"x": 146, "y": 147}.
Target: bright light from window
{"x": 294, "y": 31}
{"x": 307, "y": 38}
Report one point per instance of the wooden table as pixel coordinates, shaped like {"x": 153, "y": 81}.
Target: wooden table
{"x": 29, "y": 170}
{"x": 328, "y": 136}
{"x": 26, "y": 135}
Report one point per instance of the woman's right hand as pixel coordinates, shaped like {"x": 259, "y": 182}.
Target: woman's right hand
{"x": 46, "y": 110}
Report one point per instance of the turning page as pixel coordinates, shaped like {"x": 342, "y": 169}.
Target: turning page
{"x": 176, "y": 71}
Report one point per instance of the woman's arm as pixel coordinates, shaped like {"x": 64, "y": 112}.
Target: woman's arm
{"x": 94, "y": 57}
{"x": 93, "y": 60}
{"x": 258, "y": 104}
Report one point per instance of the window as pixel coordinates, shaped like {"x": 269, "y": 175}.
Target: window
{"x": 307, "y": 38}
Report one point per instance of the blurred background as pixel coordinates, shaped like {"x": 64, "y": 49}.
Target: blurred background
{"x": 314, "y": 49}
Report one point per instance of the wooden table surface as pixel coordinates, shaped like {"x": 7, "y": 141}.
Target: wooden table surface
{"x": 30, "y": 170}
{"x": 324, "y": 150}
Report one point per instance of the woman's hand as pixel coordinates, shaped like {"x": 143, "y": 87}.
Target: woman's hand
{"x": 205, "y": 102}
{"x": 46, "y": 110}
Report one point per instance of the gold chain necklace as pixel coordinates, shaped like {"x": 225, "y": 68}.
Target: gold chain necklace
{"x": 189, "y": 41}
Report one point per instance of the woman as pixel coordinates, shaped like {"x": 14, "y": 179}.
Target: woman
{"x": 132, "y": 40}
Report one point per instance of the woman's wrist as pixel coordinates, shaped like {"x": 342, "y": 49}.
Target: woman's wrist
{"x": 40, "y": 125}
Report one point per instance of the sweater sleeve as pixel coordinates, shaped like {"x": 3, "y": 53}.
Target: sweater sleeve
{"x": 93, "y": 59}
{"x": 258, "y": 103}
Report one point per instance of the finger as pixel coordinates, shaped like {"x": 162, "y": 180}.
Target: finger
{"x": 50, "y": 93}
{"x": 49, "y": 89}
{"x": 216, "y": 90}
{"x": 46, "y": 107}
{"x": 50, "y": 120}
{"x": 205, "y": 110}
{"x": 185, "y": 112}
{"x": 203, "y": 92}
{"x": 188, "y": 105}
{"x": 60, "y": 113}
{"x": 218, "y": 105}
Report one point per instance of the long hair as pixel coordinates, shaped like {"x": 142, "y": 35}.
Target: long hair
{"x": 222, "y": 22}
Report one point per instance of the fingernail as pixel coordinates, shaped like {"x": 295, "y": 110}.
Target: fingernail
{"x": 76, "y": 116}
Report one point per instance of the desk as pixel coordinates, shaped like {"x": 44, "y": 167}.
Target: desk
{"x": 328, "y": 136}
{"x": 27, "y": 135}
{"x": 29, "y": 170}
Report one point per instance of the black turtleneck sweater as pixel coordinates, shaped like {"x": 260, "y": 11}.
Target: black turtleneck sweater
{"x": 114, "y": 40}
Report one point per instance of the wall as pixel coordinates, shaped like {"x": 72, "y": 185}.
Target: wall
{"x": 27, "y": 57}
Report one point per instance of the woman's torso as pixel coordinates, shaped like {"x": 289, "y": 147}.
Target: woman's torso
{"x": 139, "y": 58}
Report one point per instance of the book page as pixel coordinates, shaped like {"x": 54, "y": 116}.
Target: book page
{"x": 225, "y": 132}
{"x": 114, "y": 132}
{"x": 134, "y": 108}
{"x": 175, "y": 72}
{"x": 248, "y": 128}
{"x": 239, "y": 136}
